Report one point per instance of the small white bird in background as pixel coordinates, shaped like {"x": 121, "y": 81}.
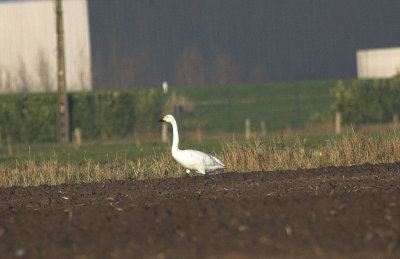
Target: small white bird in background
{"x": 191, "y": 159}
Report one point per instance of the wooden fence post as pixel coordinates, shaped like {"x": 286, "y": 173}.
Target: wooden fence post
{"x": 338, "y": 123}
{"x": 247, "y": 124}
{"x": 77, "y": 138}
{"x": 173, "y": 98}
{"x": 395, "y": 121}
{"x": 9, "y": 146}
{"x": 263, "y": 129}
{"x": 164, "y": 131}
{"x": 199, "y": 135}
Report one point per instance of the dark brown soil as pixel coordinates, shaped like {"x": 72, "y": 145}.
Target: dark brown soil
{"x": 328, "y": 212}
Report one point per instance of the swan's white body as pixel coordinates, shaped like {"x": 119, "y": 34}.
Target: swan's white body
{"x": 192, "y": 159}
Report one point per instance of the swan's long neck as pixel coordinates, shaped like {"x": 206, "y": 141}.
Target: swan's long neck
{"x": 175, "y": 136}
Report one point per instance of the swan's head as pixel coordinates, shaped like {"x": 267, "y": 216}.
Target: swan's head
{"x": 168, "y": 118}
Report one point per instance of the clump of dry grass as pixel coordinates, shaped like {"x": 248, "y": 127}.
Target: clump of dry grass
{"x": 241, "y": 157}
{"x": 352, "y": 149}
{"x": 52, "y": 172}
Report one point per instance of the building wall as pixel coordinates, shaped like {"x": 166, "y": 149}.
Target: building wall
{"x": 28, "y": 46}
{"x": 376, "y": 63}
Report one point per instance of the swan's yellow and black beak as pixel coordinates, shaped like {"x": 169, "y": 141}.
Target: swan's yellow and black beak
{"x": 163, "y": 119}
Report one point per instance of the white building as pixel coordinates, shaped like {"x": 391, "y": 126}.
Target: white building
{"x": 28, "y": 46}
{"x": 378, "y": 63}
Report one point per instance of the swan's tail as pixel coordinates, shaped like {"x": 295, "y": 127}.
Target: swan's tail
{"x": 218, "y": 162}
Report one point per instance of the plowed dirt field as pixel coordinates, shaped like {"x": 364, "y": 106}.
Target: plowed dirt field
{"x": 332, "y": 212}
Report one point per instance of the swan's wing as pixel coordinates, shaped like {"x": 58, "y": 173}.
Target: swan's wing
{"x": 195, "y": 157}
{"x": 217, "y": 160}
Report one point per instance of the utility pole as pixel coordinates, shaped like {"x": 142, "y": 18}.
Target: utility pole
{"x": 62, "y": 99}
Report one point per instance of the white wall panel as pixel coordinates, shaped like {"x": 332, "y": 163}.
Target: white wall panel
{"x": 29, "y": 27}
{"x": 378, "y": 63}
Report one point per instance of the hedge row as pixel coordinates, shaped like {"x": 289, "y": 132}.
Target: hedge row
{"x": 367, "y": 101}
{"x": 33, "y": 117}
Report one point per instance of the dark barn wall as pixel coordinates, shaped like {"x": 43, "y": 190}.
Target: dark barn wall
{"x": 141, "y": 43}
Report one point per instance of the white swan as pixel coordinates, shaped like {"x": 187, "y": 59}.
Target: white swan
{"x": 191, "y": 159}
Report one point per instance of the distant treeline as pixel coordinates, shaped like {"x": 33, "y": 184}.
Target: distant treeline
{"x": 33, "y": 118}
{"x": 216, "y": 109}
{"x": 367, "y": 101}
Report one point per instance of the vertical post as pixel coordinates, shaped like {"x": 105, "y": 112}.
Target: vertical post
{"x": 164, "y": 127}
{"x": 164, "y": 131}
{"x": 62, "y": 100}
{"x": 9, "y": 146}
{"x": 247, "y": 123}
{"x": 173, "y": 98}
{"x": 230, "y": 108}
{"x": 165, "y": 88}
{"x": 296, "y": 122}
{"x": 263, "y": 129}
{"x": 77, "y": 138}
{"x": 338, "y": 123}
{"x": 395, "y": 121}
{"x": 199, "y": 135}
